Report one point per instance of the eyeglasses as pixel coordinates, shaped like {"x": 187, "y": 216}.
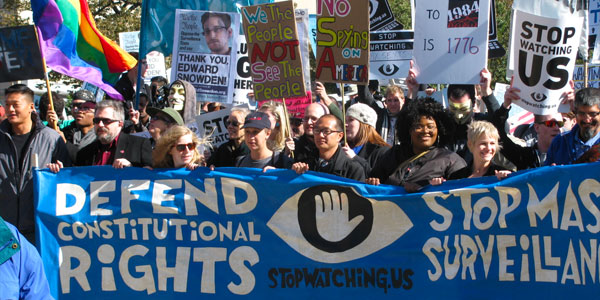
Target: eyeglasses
{"x": 552, "y": 123}
{"x": 420, "y": 128}
{"x": 591, "y": 114}
{"x": 85, "y": 106}
{"x": 182, "y": 147}
{"x": 216, "y": 30}
{"x": 104, "y": 121}
{"x": 324, "y": 132}
{"x": 164, "y": 119}
{"x": 233, "y": 123}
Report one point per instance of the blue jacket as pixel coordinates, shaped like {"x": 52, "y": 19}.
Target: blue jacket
{"x": 567, "y": 147}
{"x": 21, "y": 269}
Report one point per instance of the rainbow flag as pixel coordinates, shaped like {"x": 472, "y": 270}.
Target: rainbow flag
{"x": 72, "y": 45}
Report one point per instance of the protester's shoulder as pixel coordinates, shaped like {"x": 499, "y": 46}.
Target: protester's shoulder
{"x": 48, "y": 133}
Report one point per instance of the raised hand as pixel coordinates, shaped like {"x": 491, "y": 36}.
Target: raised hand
{"x": 332, "y": 216}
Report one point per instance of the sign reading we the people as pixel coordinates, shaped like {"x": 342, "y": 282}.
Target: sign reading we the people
{"x": 451, "y": 40}
{"x": 275, "y": 60}
{"x": 343, "y": 41}
{"x": 204, "y": 52}
{"x": 544, "y": 52}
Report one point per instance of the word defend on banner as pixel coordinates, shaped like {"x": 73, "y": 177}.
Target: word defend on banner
{"x": 204, "y": 53}
{"x": 343, "y": 41}
{"x": 391, "y": 52}
{"x": 275, "y": 60}
{"x": 451, "y": 40}
{"x": 169, "y": 234}
{"x": 20, "y": 57}
{"x": 544, "y": 51}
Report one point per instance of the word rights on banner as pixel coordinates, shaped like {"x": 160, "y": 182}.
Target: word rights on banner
{"x": 204, "y": 54}
{"x": 275, "y": 61}
{"x": 544, "y": 51}
{"x": 451, "y": 40}
{"x": 161, "y": 234}
{"x": 343, "y": 41}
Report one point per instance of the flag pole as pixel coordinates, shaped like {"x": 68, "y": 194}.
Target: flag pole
{"x": 287, "y": 122}
{"x": 344, "y": 114}
{"x": 53, "y": 125}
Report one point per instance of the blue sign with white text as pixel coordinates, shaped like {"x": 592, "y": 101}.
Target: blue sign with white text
{"x": 168, "y": 234}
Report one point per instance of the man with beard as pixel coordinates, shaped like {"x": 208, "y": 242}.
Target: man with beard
{"x": 113, "y": 147}
{"x": 570, "y": 146}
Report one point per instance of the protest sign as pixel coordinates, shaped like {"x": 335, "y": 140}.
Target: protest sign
{"x": 235, "y": 231}
{"x": 381, "y": 17}
{"x": 204, "y": 53}
{"x": 495, "y": 49}
{"x": 544, "y": 52}
{"x": 593, "y": 76}
{"x": 593, "y": 22}
{"x": 343, "y": 41}
{"x": 156, "y": 66}
{"x": 213, "y": 123}
{"x": 312, "y": 25}
{"x": 98, "y": 92}
{"x": 295, "y": 105}
{"x": 303, "y": 39}
{"x": 451, "y": 40}
{"x": 391, "y": 52}
{"x": 243, "y": 81}
{"x": 130, "y": 41}
{"x": 20, "y": 57}
{"x": 275, "y": 61}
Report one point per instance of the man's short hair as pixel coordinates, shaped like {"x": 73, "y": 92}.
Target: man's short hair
{"x": 118, "y": 111}
{"x": 587, "y": 97}
{"x": 20, "y": 89}
{"x": 457, "y": 91}
{"x": 339, "y": 126}
{"x": 224, "y": 17}
{"x": 58, "y": 103}
{"x": 159, "y": 79}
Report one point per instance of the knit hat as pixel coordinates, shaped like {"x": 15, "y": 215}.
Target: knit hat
{"x": 363, "y": 113}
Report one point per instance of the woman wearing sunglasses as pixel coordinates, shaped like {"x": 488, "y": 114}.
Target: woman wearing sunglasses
{"x": 177, "y": 148}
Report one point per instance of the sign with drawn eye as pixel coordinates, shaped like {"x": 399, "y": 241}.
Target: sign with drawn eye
{"x": 544, "y": 52}
{"x": 451, "y": 40}
{"x": 391, "y": 52}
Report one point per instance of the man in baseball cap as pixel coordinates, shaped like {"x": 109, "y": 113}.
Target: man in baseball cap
{"x": 80, "y": 132}
{"x": 161, "y": 120}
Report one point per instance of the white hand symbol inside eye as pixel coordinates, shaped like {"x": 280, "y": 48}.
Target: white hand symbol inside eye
{"x": 332, "y": 216}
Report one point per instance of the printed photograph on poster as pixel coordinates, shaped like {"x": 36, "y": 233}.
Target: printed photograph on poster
{"x": 391, "y": 52}
{"x": 544, "y": 51}
{"x": 343, "y": 41}
{"x": 204, "y": 53}
{"x": 451, "y": 40}
{"x": 274, "y": 49}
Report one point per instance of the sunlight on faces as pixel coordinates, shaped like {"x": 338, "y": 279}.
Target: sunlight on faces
{"x": 588, "y": 118}
{"x": 182, "y": 158}
{"x": 106, "y": 133}
{"x": 484, "y": 148}
{"x": 235, "y": 131}
{"x": 255, "y": 138}
{"x": 423, "y": 134}
{"x": 544, "y": 132}
{"x": 158, "y": 125}
{"x": 82, "y": 113}
{"x": 352, "y": 127}
{"x": 325, "y": 141}
{"x": 393, "y": 102}
{"x": 18, "y": 108}
{"x": 177, "y": 96}
{"x": 313, "y": 112}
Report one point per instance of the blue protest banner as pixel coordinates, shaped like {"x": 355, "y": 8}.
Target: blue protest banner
{"x": 167, "y": 234}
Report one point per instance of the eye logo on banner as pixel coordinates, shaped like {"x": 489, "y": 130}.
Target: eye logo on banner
{"x": 334, "y": 224}
{"x": 373, "y": 6}
{"x": 463, "y": 14}
{"x": 388, "y": 69}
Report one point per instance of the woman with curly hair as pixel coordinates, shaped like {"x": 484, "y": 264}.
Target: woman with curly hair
{"x": 365, "y": 145}
{"x": 178, "y": 148}
{"x": 280, "y": 138}
{"x": 423, "y": 131}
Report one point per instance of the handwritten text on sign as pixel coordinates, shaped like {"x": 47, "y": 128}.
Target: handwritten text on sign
{"x": 343, "y": 41}
{"x": 451, "y": 40}
{"x": 275, "y": 60}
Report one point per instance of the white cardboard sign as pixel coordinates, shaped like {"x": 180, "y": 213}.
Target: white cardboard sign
{"x": 451, "y": 40}
{"x": 544, "y": 52}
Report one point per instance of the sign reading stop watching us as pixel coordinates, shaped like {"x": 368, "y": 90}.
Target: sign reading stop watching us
{"x": 544, "y": 51}
{"x": 451, "y": 40}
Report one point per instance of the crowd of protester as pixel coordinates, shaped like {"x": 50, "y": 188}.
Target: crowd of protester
{"x": 399, "y": 139}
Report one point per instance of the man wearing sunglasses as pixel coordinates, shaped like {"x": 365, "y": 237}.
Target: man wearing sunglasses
{"x": 23, "y": 138}
{"x": 546, "y": 126}
{"x": 229, "y": 153}
{"x": 80, "y": 132}
{"x": 160, "y": 121}
{"x": 113, "y": 147}
{"x": 584, "y": 137}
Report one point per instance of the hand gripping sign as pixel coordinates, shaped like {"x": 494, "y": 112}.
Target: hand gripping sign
{"x": 544, "y": 51}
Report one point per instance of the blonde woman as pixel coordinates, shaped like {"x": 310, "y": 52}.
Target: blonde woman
{"x": 280, "y": 138}
{"x": 178, "y": 148}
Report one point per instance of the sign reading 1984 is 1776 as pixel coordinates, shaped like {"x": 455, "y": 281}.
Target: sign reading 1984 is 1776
{"x": 544, "y": 51}
{"x": 275, "y": 60}
{"x": 451, "y": 40}
{"x": 204, "y": 52}
{"x": 343, "y": 41}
